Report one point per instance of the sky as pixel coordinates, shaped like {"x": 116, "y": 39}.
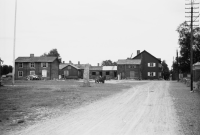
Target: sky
{"x": 91, "y": 31}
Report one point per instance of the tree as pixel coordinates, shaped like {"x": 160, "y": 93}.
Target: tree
{"x": 184, "y": 43}
{"x": 5, "y": 70}
{"x": 52, "y": 52}
{"x": 165, "y": 70}
{"x": 10, "y": 69}
{"x": 108, "y": 63}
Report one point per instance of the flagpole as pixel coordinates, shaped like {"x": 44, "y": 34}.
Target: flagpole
{"x": 13, "y": 72}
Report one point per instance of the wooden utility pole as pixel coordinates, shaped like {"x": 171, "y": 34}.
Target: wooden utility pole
{"x": 177, "y": 66}
{"x": 191, "y": 40}
{"x": 13, "y": 72}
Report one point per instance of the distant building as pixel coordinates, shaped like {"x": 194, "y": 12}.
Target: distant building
{"x": 45, "y": 67}
{"x": 129, "y": 69}
{"x": 150, "y": 66}
{"x": 71, "y": 71}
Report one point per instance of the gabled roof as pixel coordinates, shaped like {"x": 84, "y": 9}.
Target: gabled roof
{"x": 125, "y": 62}
{"x": 63, "y": 65}
{"x": 80, "y": 66}
{"x": 147, "y": 53}
{"x": 95, "y": 68}
{"x": 35, "y": 59}
{"x": 109, "y": 68}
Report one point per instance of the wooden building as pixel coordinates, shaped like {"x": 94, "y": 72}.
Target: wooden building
{"x": 110, "y": 72}
{"x": 95, "y": 71}
{"x": 150, "y": 66}
{"x": 45, "y": 67}
{"x": 71, "y": 71}
{"x": 129, "y": 69}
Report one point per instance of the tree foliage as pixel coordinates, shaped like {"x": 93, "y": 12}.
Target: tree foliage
{"x": 184, "y": 44}
{"x": 165, "y": 70}
{"x": 53, "y": 52}
{"x": 5, "y": 69}
{"x": 108, "y": 63}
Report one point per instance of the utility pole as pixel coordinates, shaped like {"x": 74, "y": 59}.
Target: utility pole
{"x": 177, "y": 66}
{"x": 13, "y": 72}
{"x": 191, "y": 39}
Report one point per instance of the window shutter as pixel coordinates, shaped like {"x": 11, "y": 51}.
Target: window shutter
{"x": 148, "y": 73}
{"x": 30, "y": 65}
{"x": 154, "y": 64}
{"x": 46, "y": 64}
{"x": 41, "y": 64}
{"x": 148, "y": 64}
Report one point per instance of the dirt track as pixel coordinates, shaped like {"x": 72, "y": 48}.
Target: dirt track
{"x": 142, "y": 110}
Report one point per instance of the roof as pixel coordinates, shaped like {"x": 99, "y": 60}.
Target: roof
{"x": 196, "y": 64}
{"x": 109, "y": 68}
{"x": 63, "y": 65}
{"x": 125, "y": 62}
{"x": 35, "y": 59}
{"x": 80, "y": 66}
{"x": 159, "y": 59}
{"x": 95, "y": 67}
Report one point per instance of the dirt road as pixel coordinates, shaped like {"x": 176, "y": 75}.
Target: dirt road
{"x": 143, "y": 110}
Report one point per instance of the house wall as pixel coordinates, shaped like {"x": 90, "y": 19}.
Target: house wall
{"x": 124, "y": 71}
{"x": 146, "y": 58}
{"x": 73, "y": 72}
{"x": 95, "y": 76}
{"x": 52, "y": 70}
{"x": 111, "y": 74}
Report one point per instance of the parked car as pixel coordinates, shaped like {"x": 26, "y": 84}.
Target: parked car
{"x": 32, "y": 77}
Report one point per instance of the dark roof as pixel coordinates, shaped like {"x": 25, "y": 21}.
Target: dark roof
{"x": 95, "y": 68}
{"x": 80, "y": 66}
{"x": 124, "y": 62}
{"x": 159, "y": 59}
{"x": 63, "y": 65}
{"x": 35, "y": 59}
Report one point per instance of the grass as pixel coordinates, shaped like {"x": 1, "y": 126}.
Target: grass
{"x": 31, "y": 101}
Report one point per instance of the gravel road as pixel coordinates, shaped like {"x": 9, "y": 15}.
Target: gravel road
{"x": 142, "y": 110}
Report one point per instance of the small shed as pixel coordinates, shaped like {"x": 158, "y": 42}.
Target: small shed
{"x": 110, "y": 72}
{"x": 69, "y": 71}
{"x": 196, "y": 72}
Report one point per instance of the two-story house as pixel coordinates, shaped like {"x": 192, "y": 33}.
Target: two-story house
{"x": 45, "y": 67}
{"x": 151, "y": 67}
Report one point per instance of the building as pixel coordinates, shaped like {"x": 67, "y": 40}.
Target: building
{"x": 129, "y": 69}
{"x": 150, "y": 66}
{"x": 95, "y": 71}
{"x": 44, "y": 67}
{"x": 71, "y": 71}
{"x": 110, "y": 72}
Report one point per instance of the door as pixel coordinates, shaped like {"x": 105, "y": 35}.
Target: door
{"x": 44, "y": 73}
{"x": 132, "y": 74}
{"x": 66, "y": 73}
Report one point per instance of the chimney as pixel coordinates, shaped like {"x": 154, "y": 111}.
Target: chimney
{"x": 78, "y": 62}
{"x": 70, "y": 62}
{"x": 63, "y": 61}
{"x": 98, "y": 64}
{"x": 138, "y": 52}
{"x": 31, "y": 55}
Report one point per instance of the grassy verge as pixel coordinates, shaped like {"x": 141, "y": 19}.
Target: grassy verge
{"x": 30, "y": 101}
{"x": 187, "y": 106}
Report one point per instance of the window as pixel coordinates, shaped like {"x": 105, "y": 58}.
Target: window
{"x": 20, "y": 65}
{"x": 32, "y": 72}
{"x": 93, "y": 73}
{"x": 69, "y": 67}
{"x": 20, "y": 73}
{"x": 107, "y": 73}
{"x": 32, "y": 65}
{"x": 44, "y": 65}
{"x": 151, "y": 64}
{"x": 151, "y": 74}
